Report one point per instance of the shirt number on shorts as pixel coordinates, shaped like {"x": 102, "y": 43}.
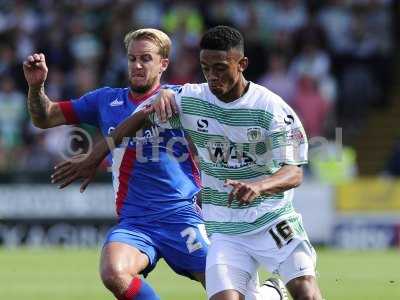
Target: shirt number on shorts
{"x": 191, "y": 243}
{"x": 282, "y": 234}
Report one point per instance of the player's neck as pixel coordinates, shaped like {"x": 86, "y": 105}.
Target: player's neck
{"x": 238, "y": 90}
{"x": 138, "y": 97}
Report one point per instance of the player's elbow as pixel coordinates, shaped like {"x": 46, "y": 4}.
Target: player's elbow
{"x": 42, "y": 124}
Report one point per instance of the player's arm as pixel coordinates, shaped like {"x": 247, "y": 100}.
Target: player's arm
{"x": 85, "y": 166}
{"x": 44, "y": 112}
{"x": 165, "y": 105}
{"x": 286, "y": 178}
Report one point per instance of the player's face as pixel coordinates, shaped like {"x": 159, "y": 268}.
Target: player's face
{"x": 222, "y": 70}
{"x": 145, "y": 65}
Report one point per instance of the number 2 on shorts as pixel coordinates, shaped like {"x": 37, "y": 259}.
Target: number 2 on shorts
{"x": 191, "y": 243}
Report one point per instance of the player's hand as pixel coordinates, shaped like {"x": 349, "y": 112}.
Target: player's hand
{"x": 165, "y": 105}
{"x": 35, "y": 70}
{"x": 244, "y": 192}
{"x": 79, "y": 167}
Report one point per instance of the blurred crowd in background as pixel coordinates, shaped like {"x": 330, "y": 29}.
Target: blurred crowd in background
{"x": 330, "y": 60}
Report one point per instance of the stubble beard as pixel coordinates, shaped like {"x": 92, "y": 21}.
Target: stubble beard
{"x": 143, "y": 88}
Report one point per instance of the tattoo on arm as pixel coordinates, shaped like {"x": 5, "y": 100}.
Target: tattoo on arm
{"x": 38, "y": 103}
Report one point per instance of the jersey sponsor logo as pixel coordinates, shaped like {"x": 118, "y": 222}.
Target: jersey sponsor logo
{"x": 218, "y": 151}
{"x": 143, "y": 136}
{"x": 116, "y": 102}
{"x": 227, "y": 155}
{"x": 148, "y": 135}
{"x": 254, "y": 134}
{"x": 202, "y": 125}
{"x": 151, "y": 132}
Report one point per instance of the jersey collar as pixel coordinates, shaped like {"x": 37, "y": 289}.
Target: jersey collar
{"x": 139, "y": 100}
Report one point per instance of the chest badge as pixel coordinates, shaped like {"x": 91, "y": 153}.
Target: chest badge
{"x": 254, "y": 134}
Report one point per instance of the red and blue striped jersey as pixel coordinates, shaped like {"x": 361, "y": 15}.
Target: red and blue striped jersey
{"x": 154, "y": 174}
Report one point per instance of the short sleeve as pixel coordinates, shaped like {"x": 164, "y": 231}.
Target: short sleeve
{"x": 286, "y": 136}
{"x": 84, "y": 109}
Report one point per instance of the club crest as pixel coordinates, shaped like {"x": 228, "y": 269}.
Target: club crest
{"x": 254, "y": 134}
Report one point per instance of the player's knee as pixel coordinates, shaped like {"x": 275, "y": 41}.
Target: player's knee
{"x": 115, "y": 278}
{"x": 304, "y": 288}
{"x": 308, "y": 296}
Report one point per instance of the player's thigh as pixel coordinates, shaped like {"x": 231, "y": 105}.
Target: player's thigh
{"x": 184, "y": 247}
{"x": 300, "y": 263}
{"x": 127, "y": 251}
{"x": 118, "y": 258}
{"x": 283, "y": 248}
{"x": 226, "y": 282}
{"x": 229, "y": 266}
{"x": 298, "y": 272}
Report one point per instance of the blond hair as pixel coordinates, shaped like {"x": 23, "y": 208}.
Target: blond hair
{"x": 159, "y": 38}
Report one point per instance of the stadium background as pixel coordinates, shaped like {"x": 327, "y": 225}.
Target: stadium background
{"x": 335, "y": 62}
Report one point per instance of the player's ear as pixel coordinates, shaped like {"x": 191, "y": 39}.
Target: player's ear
{"x": 243, "y": 63}
{"x": 164, "y": 64}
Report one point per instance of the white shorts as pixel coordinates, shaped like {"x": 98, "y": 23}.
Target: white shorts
{"x": 233, "y": 260}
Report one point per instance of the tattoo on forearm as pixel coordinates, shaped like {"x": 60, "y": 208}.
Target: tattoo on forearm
{"x": 37, "y": 104}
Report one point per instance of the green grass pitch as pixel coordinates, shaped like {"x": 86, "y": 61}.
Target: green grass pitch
{"x": 71, "y": 274}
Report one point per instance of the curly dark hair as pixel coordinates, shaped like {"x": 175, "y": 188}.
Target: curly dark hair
{"x": 222, "y": 38}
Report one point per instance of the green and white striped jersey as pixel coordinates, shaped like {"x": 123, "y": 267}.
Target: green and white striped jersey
{"x": 248, "y": 139}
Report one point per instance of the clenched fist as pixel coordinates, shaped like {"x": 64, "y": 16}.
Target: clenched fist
{"x": 35, "y": 70}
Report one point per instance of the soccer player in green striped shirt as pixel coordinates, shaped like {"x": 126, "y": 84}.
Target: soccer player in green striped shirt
{"x": 251, "y": 147}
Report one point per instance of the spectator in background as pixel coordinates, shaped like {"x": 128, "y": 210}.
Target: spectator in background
{"x": 393, "y": 164}
{"x": 315, "y": 62}
{"x": 82, "y": 79}
{"x": 357, "y": 51}
{"x": 147, "y": 13}
{"x": 310, "y": 105}
{"x": 56, "y": 83}
{"x": 12, "y": 114}
{"x": 36, "y": 155}
{"x": 7, "y": 57}
{"x": 114, "y": 72}
{"x": 84, "y": 44}
{"x": 9, "y": 63}
{"x": 58, "y": 52}
{"x": 185, "y": 21}
{"x": 277, "y": 78}
{"x": 335, "y": 19}
{"x": 264, "y": 12}
{"x": 369, "y": 30}
{"x": 353, "y": 104}
{"x": 289, "y": 16}
{"x": 186, "y": 69}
